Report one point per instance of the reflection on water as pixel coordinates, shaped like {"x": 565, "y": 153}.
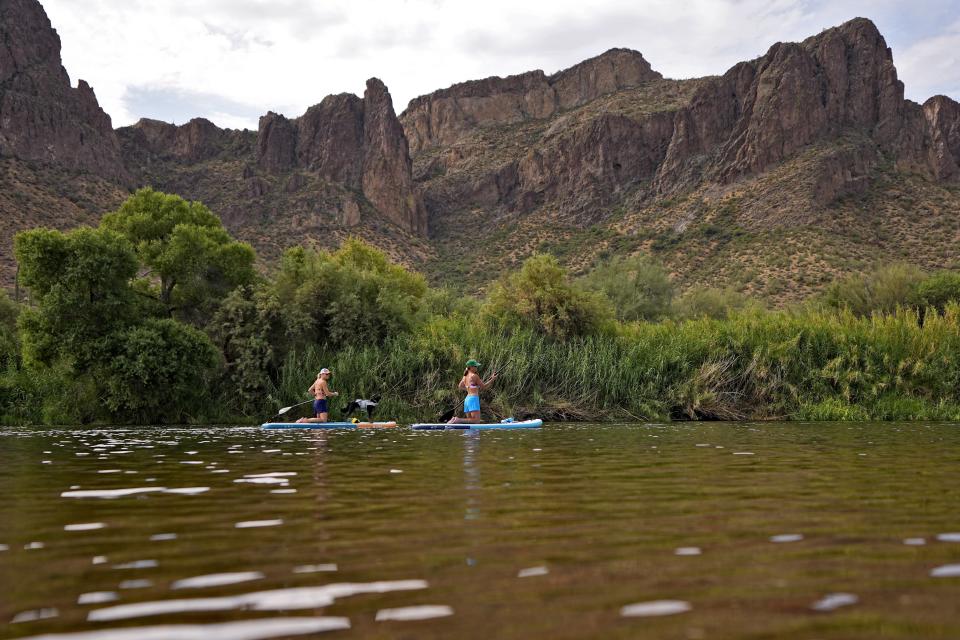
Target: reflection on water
{"x": 573, "y": 531}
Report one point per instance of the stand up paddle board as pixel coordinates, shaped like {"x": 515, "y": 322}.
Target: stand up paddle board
{"x": 328, "y": 425}
{"x": 440, "y": 426}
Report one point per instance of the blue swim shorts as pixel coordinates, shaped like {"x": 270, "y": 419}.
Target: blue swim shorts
{"x": 319, "y": 406}
{"x": 471, "y": 403}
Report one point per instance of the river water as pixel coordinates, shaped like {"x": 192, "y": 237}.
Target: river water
{"x": 573, "y": 531}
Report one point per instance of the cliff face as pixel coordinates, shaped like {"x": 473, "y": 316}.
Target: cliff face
{"x": 444, "y": 116}
{"x": 42, "y": 118}
{"x": 605, "y": 157}
{"x": 579, "y": 140}
{"x": 353, "y": 141}
{"x": 761, "y": 112}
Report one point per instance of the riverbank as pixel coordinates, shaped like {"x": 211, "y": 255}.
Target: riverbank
{"x": 118, "y": 326}
{"x": 759, "y": 365}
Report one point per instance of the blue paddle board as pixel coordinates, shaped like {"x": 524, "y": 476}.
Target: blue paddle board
{"x": 522, "y": 424}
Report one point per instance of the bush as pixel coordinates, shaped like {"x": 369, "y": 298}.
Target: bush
{"x": 939, "y": 289}
{"x": 158, "y": 372}
{"x": 638, "y": 288}
{"x": 716, "y": 304}
{"x": 354, "y": 295}
{"x": 541, "y": 296}
{"x": 9, "y": 342}
{"x": 884, "y": 290}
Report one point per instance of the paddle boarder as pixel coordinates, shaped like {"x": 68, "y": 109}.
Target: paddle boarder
{"x": 473, "y": 385}
{"x": 320, "y": 390}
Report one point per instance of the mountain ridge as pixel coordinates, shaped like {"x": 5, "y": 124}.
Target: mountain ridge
{"x": 607, "y": 147}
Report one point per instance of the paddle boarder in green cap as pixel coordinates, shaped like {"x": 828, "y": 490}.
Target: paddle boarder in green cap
{"x": 473, "y": 385}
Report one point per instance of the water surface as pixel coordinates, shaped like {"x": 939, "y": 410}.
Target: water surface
{"x": 573, "y": 531}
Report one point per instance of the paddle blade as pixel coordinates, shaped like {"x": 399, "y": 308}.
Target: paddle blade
{"x": 444, "y": 417}
{"x": 283, "y": 411}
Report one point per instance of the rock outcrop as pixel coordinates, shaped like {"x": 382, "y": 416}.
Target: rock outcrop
{"x": 192, "y": 142}
{"x": 763, "y": 111}
{"x": 442, "y": 117}
{"x": 42, "y": 118}
{"x": 356, "y": 142}
{"x": 588, "y": 153}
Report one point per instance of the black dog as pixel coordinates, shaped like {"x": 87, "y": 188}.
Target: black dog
{"x": 362, "y": 405}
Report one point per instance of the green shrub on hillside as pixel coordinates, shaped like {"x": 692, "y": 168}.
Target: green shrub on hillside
{"x": 885, "y": 289}
{"x": 709, "y": 302}
{"x": 639, "y": 288}
{"x": 939, "y": 289}
{"x": 541, "y": 296}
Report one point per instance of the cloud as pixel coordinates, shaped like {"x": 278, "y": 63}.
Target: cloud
{"x": 181, "y": 105}
{"x": 933, "y": 65}
{"x": 233, "y": 59}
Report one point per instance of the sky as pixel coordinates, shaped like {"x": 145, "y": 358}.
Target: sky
{"x": 233, "y": 60}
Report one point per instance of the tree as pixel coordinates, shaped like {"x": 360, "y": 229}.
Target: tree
{"x": 158, "y": 372}
{"x": 939, "y": 289}
{"x": 253, "y": 330}
{"x": 79, "y": 286}
{"x": 189, "y": 260}
{"x": 541, "y": 296}
{"x": 639, "y": 288}
{"x": 351, "y": 296}
{"x": 9, "y": 343}
{"x": 86, "y": 329}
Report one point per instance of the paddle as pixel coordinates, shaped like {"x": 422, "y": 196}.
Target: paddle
{"x": 285, "y": 409}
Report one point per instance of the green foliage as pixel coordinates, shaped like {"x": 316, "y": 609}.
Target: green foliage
{"x": 250, "y": 329}
{"x": 812, "y": 365}
{"x": 884, "y": 290}
{"x": 190, "y": 260}
{"x": 9, "y": 341}
{"x": 157, "y": 372}
{"x": 709, "y": 302}
{"x": 353, "y": 295}
{"x": 831, "y": 410}
{"x": 939, "y": 289}
{"x": 86, "y": 332}
{"x": 79, "y": 287}
{"x": 639, "y": 288}
{"x": 541, "y": 296}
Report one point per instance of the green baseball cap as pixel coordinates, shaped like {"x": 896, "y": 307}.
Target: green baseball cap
{"x": 473, "y": 363}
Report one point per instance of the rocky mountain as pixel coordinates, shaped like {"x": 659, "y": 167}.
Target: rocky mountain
{"x": 629, "y": 161}
{"x": 772, "y": 178}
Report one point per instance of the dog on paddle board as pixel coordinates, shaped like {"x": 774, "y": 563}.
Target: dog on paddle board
{"x": 369, "y": 406}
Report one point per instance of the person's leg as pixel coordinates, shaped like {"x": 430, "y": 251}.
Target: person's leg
{"x": 321, "y": 406}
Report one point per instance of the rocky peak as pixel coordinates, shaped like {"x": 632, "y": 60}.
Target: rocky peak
{"x": 43, "y": 118}
{"x": 387, "y": 180}
{"x": 330, "y": 139}
{"x": 276, "y": 143}
{"x": 440, "y": 118}
{"x": 195, "y": 141}
{"x": 942, "y": 116}
{"x": 356, "y": 142}
{"x": 761, "y": 112}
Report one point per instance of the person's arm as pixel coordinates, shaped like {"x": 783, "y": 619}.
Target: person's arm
{"x": 484, "y": 385}
{"x": 463, "y": 384}
{"x": 326, "y": 389}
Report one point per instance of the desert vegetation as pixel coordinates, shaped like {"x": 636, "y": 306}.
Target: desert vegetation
{"x": 158, "y": 316}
